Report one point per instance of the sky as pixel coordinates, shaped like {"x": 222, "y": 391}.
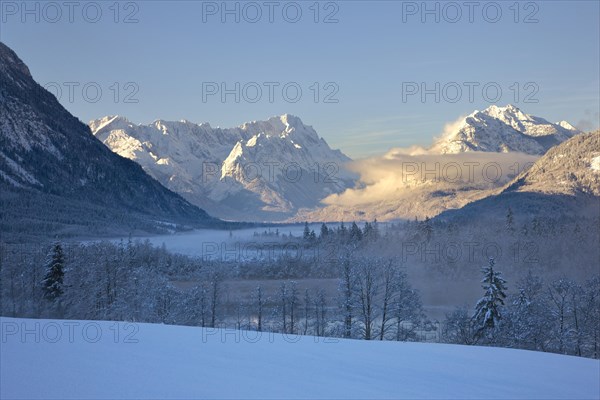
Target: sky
{"x": 367, "y": 75}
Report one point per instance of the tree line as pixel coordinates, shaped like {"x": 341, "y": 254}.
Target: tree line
{"x": 374, "y": 298}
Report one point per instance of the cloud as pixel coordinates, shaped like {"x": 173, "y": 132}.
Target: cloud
{"x": 451, "y": 128}
{"x": 402, "y": 172}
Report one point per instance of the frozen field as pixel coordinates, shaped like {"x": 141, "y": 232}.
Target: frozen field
{"x": 83, "y": 360}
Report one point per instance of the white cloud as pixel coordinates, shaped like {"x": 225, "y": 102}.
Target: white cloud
{"x": 403, "y": 171}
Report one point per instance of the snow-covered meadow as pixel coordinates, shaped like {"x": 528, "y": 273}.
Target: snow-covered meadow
{"x": 60, "y": 359}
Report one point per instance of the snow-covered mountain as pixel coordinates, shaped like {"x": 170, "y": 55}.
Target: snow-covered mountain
{"x": 261, "y": 170}
{"x": 565, "y": 181}
{"x": 280, "y": 169}
{"x": 56, "y": 178}
{"x": 571, "y": 168}
{"x": 504, "y": 138}
{"x": 503, "y": 129}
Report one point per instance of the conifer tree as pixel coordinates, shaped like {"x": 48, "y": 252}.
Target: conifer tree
{"x": 510, "y": 223}
{"x": 324, "y": 231}
{"x": 427, "y": 229}
{"x": 487, "y": 311}
{"x": 355, "y": 233}
{"x": 53, "y": 280}
{"x": 306, "y": 233}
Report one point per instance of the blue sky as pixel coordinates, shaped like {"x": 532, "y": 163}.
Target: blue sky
{"x": 169, "y": 51}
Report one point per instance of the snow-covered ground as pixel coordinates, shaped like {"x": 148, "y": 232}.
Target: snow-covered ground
{"x": 54, "y": 359}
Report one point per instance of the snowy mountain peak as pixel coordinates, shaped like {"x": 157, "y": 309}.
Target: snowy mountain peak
{"x": 509, "y": 108}
{"x": 568, "y": 126}
{"x": 290, "y": 120}
{"x": 165, "y": 126}
{"x": 112, "y": 121}
{"x": 247, "y": 163}
{"x": 503, "y": 129}
{"x": 507, "y": 114}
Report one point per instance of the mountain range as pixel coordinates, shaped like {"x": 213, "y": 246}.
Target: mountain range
{"x": 61, "y": 177}
{"x": 501, "y": 139}
{"x": 261, "y": 170}
{"x": 279, "y": 169}
{"x": 56, "y": 178}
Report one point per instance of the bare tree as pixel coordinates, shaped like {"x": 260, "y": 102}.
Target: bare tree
{"x": 203, "y": 300}
{"x": 239, "y": 313}
{"x": 576, "y": 293}
{"x": 591, "y": 317}
{"x": 558, "y": 294}
{"x": 259, "y": 308}
{"x": 283, "y": 298}
{"x": 307, "y": 301}
{"x": 320, "y": 310}
{"x": 407, "y": 308}
{"x": 390, "y": 287}
{"x": 347, "y": 289}
{"x": 458, "y": 327}
{"x": 293, "y": 301}
{"x": 216, "y": 279}
{"x": 368, "y": 287}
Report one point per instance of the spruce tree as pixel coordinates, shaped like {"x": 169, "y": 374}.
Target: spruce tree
{"x": 53, "y": 280}
{"x": 367, "y": 230}
{"x": 510, "y": 222}
{"x": 324, "y": 231}
{"x": 306, "y": 233}
{"x": 375, "y": 229}
{"x": 487, "y": 311}
{"x": 342, "y": 231}
{"x": 355, "y": 233}
{"x": 427, "y": 229}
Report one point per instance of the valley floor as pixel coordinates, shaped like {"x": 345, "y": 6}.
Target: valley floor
{"x": 54, "y": 359}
